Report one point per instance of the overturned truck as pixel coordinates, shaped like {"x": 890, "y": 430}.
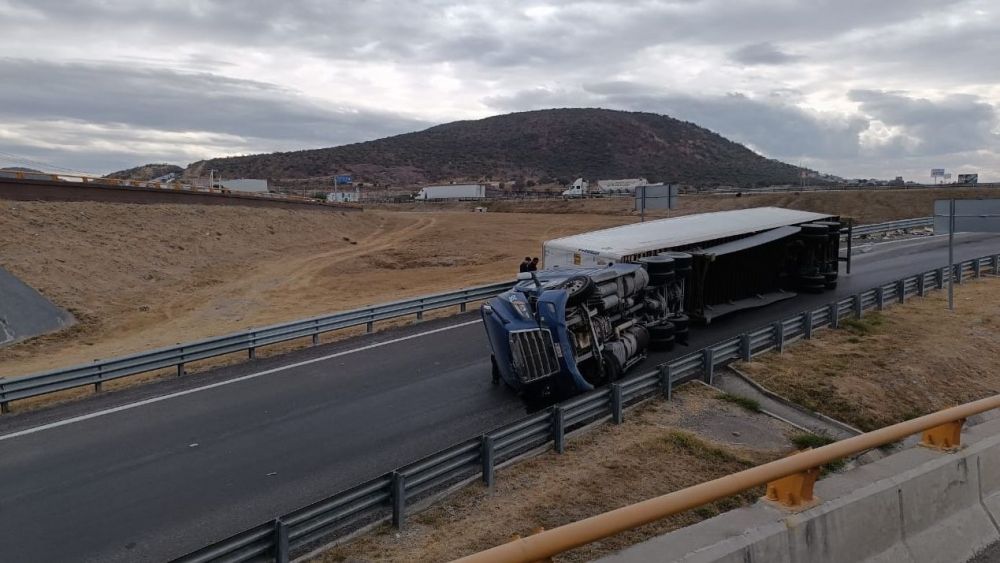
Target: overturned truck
{"x": 606, "y": 298}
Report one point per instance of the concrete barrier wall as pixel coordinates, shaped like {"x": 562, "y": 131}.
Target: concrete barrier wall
{"x": 918, "y": 505}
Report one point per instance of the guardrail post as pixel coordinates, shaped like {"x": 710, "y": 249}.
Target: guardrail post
{"x": 939, "y": 278}
{"x": 315, "y": 339}
{"x": 180, "y": 369}
{"x": 488, "y": 454}
{"x": 617, "y": 412}
{"x": 807, "y": 325}
{"x": 958, "y": 273}
{"x": 420, "y": 313}
{"x": 745, "y": 350}
{"x": 280, "y": 541}
{"x": 834, "y": 314}
{"x": 4, "y": 404}
{"x": 879, "y": 298}
{"x": 996, "y": 264}
{"x": 779, "y": 337}
{"x": 975, "y": 268}
{"x": 558, "y": 429}
{"x": 398, "y": 500}
{"x": 857, "y": 306}
{"x": 901, "y": 290}
{"x": 100, "y": 377}
{"x": 369, "y": 327}
{"x": 252, "y": 353}
{"x": 666, "y": 382}
{"x": 461, "y": 307}
{"x": 708, "y": 364}
{"x": 921, "y": 282}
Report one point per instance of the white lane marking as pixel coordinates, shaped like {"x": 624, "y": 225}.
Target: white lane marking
{"x": 227, "y": 382}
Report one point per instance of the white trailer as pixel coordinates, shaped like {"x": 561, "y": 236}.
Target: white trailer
{"x": 630, "y": 242}
{"x": 620, "y": 186}
{"x": 243, "y": 185}
{"x": 452, "y": 191}
{"x": 581, "y": 187}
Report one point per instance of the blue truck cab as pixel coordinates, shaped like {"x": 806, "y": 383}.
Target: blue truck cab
{"x": 564, "y": 331}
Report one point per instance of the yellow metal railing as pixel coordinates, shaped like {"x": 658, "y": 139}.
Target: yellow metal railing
{"x": 789, "y": 482}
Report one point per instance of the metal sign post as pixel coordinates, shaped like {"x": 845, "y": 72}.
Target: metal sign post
{"x": 951, "y": 255}
{"x": 655, "y": 196}
{"x": 964, "y": 216}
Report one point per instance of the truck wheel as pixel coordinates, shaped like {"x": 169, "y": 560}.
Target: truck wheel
{"x": 579, "y": 289}
{"x": 680, "y": 322}
{"x": 661, "y": 336}
{"x": 612, "y": 369}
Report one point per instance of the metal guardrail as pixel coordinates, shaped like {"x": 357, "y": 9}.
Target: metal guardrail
{"x": 388, "y": 495}
{"x": 177, "y": 356}
{"x": 919, "y": 222}
{"x": 96, "y": 373}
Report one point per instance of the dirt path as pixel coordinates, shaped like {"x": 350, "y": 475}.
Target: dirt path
{"x": 142, "y": 276}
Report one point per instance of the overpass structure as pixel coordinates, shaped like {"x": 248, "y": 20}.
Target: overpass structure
{"x": 154, "y": 472}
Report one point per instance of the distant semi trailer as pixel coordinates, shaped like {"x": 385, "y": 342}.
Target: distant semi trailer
{"x": 452, "y": 191}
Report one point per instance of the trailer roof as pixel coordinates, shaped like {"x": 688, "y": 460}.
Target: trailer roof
{"x": 682, "y": 231}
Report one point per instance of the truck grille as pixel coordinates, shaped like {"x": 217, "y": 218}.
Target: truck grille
{"x": 534, "y": 356}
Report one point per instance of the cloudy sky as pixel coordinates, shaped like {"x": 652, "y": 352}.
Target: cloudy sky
{"x": 858, "y": 88}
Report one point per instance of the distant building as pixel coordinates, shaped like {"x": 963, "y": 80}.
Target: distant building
{"x": 244, "y": 185}
{"x": 344, "y": 197}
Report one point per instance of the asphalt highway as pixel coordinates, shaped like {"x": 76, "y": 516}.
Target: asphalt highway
{"x": 178, "y": 465}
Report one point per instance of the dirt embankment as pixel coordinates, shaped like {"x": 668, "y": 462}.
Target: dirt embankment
{"x": 888, "y": 367}
{"x": 141, "y": 276}
{"x": 661, "y": 447}
{"x": 866, "y": 206}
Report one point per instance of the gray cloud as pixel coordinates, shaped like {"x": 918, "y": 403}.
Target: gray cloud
{"x": 166, "y": 79}
{"x": 762, "y": 54}
{"x": 956, "y": 124}
{"x": 126, "y": 105}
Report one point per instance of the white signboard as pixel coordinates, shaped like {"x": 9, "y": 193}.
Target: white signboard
{"x": 656, "y": 196}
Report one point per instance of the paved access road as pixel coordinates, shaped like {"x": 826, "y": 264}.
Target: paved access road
{"x": 154, "y": 472}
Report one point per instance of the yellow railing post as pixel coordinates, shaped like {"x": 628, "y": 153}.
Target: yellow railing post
{"x": 946, "y": 437}
{"x": 794, "y": 491}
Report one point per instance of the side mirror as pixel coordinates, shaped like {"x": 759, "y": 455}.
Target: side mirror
{"x": 522, "y": 276}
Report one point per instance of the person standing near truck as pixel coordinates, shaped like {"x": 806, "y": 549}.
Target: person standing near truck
{"x": 525, "y": 264}
{"x": 533, "y": 265}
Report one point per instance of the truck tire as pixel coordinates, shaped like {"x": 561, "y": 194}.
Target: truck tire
{"x": 662, "y": 278}
{"x": 657, "y": 265}
{"x": 680, "y": 322}
{"x": 682, "y": 260}
{"x": 831, "y": 280}
{"x": 579, "y": 288}
{"x": 612, "y": 369}
{"x": 661, "y": 336}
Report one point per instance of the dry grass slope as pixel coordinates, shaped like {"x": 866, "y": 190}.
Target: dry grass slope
{"x": 912, "y": 360}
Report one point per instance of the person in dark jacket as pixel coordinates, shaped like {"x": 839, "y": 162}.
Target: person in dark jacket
{"x": 533, "y": 265}
{"x": 525, "y": 263}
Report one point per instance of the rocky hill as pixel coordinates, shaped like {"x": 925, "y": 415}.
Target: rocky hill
{"x": 145, "y": 172}
{"x": 545, "y": 145}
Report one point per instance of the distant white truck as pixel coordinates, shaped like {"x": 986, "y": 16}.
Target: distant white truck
{"x": 581, "y": 187}
{"x": 452, "y": 191}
